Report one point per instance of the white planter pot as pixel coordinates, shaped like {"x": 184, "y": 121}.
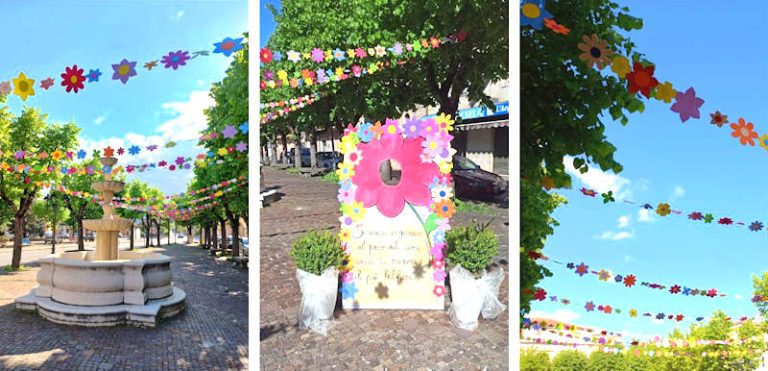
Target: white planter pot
{"x": 470, "y": 297}
{"x": 318, "y": 299}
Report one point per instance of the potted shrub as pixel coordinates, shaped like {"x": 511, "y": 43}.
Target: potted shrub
{"x": 474, "y": 289}
{"x": 318, "y": 256}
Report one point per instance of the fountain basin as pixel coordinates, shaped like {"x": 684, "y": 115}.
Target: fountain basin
{"x": 107, "y": 225}
{"x": 77, "y": 288}
{"x": 110, "y": 186}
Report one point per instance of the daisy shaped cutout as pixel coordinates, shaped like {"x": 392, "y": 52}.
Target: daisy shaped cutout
{"x": 73, "y": 79}
{"x": 744, "y": 131}
{"x": 124, "y": 70}
{"x": 595, "y": 51}
{"x": 175, "y": 59}
{"x": 47, "y": 83}
{"x": 228, "y": 46}
{"x": 318, "y": 55}
{"x": 687, "y": 104}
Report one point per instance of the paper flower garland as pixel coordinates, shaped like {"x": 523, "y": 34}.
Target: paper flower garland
{"x": 23, "y": 86}
{"x": 175, "y": 59}
{"x": 641, "y": 79}
{"x": 124, "y": 70}
{"x": 228, "y": 46}
{"x": 743, "y": 131}
{"x": 72, "y": 79}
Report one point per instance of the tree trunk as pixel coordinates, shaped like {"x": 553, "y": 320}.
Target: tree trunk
{"x": 80, "y": 243}
{"x": 214, "y": 237}
{"x": 189, "y": 235}
{"x": 313, "y": 148}
{"x": 18, "y": 234}
{"x": 284, "y": 153}
{"x": 169, "y": 231}
{"x": 202, "y": 236}
{"x": 223, "y": 224}
{"x": 234, "y": 223}
{"x": 271, "y": 152}
{"x": 157, "y": 224}
{"x": 53, "y": 238}
{"x": 147, "y": 227}
{"x": 132, "y": 232}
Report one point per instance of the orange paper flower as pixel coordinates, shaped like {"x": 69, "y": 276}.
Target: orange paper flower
{"x": 744, "y": 131}
{"x": 595, "y": 51}
{"x": 444, "y": 208}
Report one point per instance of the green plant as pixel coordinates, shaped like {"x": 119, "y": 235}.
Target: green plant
{"x": 476, "y": 207}
{"x": 472, "y": 247}
{"x": 534, "y": 360}
{"x": 599, "y": 361}
{"x": 293, "y": 170}
{"x": 10, "y": 268}
{"x": 331, "y": 177}
{"x": 570, "y": 360}
{"x": 316, "y": 251}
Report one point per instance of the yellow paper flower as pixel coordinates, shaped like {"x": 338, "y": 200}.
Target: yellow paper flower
{"x": 222, "y": 151}
{"x": 349, "y": 143}
{"x": 351, "y": 53}
{"x": 271, "y": 84}
{"x": 663, "y": 209}
{"x": 344, "y": 235}
{"x": 345, "y": 171}
{"x": 446, "y": 166}
{"x": 633, "y": 313}
{"x": 355, "y": 210}
{"x": 764, "y": 141}
{"x": 665, "y": 92}
{"x": 305, "y": 56}
{"x": 347, "y": 264}
{"x": 23, "y": 87}
{"x": 308, "y": 81}
{"x": 282, "y": 75}
{"x": 371, "y": 52}
{"x": 328, "y": 55}
{"x": 444, "y": 122}
{"x": 620, "y": 66}
{"x": 339, "y": 71}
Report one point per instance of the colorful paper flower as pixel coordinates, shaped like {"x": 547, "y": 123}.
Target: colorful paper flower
{"x": 175, "y": 59}
{"x": 380, "y": 51}
{"x": 675, "y": 289}
{"x": 355, "y": 210}
{"x": 124, "y": 70}
{"x": 718, "y": 119}
{"x": 679, "y": 317}
{"x": 582, "y": 269}
{"x": 438, "y": 263}
{"x": 134, "y": 150}
{"x": 556, "y": 27}
{"x": 428, "y": 128}
{"x": 618, "y": 278}
{"x": 607, "y": 309}
{"x": 540, "y": 294}
{"x": 353, "y": 157}
{"x": 348, "y": 290}
{"x": 712, "y": 293}
{"x": 23, "y": 86}
{"x": 641, "y": 79}
{"x": 265, "y": 55}
{"x": 589, "y": 306}
{"x": 47, "y": 83}
{"x": 595, "y": 51}
{"x": 630, "y": 280}
{"x": 763, "y": 140}
{"x": 444, "y": 123}
{"x": 588, "y": 192}
{"x": 345, "y": 171}
{"x": 439, "y": 290}
{"x": 744, "y": 131}
{"x": 604, "y": 275}
{"x": 725, "y": 221}
{"x": 442, "y": 192}
{"x": 663, "y": 209}
{"x": 411, "y": 128}
{"x": 708, "y": 218}
{"x": 339, "y": 55}
{"x": 81, "y": 154}
{"x": 293, "y": 56}
{"x": 391, "y": 128}
{"x": 687, "y": 104}
{"x": 72, "y": 78}
{"x": 414, "y": 183}
{"x": 444, "y": 208}
{"x": 532, "y": 13}
{"x": 228, "y": 46}
{"x": 364, "y": 132}
{"x": 756, "y": 226}
{"x": 695, "y": 215}
{"x": 344, "y": 235}
{"x": 620, "y": 66}
{"x": 665, "y": 92}
{"x": 318, "y": 55}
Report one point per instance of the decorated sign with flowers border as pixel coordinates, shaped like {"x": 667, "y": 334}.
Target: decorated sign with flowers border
{"x": 393, "y": 230}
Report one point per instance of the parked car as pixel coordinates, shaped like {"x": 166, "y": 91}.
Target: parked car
{"x": 329, "y": 160}
{"x": 180, "y": 236}
{"x": 305, "y": 157}
{"x": 472, "y": 182}
{"x": 90, "y": 236}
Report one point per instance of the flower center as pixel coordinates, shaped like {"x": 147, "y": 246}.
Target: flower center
{"x": 531, "y": 11}
{"x": 595, "y": 52}
{"x": 642, "y": 78}
{"x": 23, "y": 85}
{"x": 73, "y": 79}
{"x": 744, "y": 132}
{"x": 390, "y": 172}
{"x": 123, "y": 70}
{"x": 228, "y": 45}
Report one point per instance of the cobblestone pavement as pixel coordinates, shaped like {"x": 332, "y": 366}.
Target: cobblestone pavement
{"x": 212, "y": 334}
{"x": 364, "y": 339}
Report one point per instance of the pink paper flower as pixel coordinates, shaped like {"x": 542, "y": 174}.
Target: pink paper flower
{"x": 347, "y": 277}
{"x": 437, "y": 250}
{"x": 392, "y": 128}
{"x": 428, "y": 127}
{"x": 318, "y": 55}
{"x": 687, "y": 105}
{"x": 414, "y": 181}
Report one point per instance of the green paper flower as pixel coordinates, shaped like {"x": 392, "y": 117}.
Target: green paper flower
{"x": 708, "y": 218}
{"x": 608, "y": 197}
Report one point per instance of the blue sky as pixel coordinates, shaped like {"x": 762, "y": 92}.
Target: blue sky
{"x": 44, "y": 37}
{"x": 267, "y": 22}
{"x": 695, "y": 166}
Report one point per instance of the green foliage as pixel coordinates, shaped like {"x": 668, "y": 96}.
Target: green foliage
{"x": 43, "y": 209}
{"x": 316, "y": 251}
{"x": 11, "y": 268}
{"x": 293, "y": 170}
{"x": 570, "y": 360}
{"x": 472, "y": 247}
{"x": 469, "y": 206}
{"x": 600, "y": 361}
{"x": 331, "y": 177}
{"x": 760, "y": 287}
{"x": 534, "y": 360}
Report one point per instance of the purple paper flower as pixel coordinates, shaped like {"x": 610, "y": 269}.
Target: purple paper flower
{"x": 589, "y": 306}
{"x": 229, "y": 131}
{"x": 179, "y": 160}
{"x": 276, "y": 56}
{"x": 397, "y": 48}
{"x": 124, "y": 70}
{"x": 321, "y": 77}
{"x": 152, "y": 147}
{"x": 347, "y": 277}
{"x": 411, "y": 128}
{"x": 19, "y": 155}
{"x": 176, "y": 59}
{"x": 269, "y": 75}
{"x": 437, "y": 250}
{"x": 687, "y": 104}
{"x": 241, "y": 147}
{"x": 428, "y": 127}
{"x": 318, "y": 55}
{"x": 439, "y": 275}
{"x": 755, "y": 226}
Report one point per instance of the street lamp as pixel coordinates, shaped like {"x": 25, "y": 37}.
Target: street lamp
{"x": 50, "y": 198}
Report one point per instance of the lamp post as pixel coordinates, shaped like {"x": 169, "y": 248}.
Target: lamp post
{"x": 50, "y": 198}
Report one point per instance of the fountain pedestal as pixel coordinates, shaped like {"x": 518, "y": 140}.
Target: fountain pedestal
{"x": 105, "y": 287}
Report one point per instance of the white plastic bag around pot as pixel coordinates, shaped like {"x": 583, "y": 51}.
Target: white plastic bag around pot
{"x": 318, "y": 299}
{"x": 470, "y": 297}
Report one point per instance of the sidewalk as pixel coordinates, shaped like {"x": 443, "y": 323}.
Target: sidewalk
{"x": 211, "y": 335}
{"x": 364, "y": 339}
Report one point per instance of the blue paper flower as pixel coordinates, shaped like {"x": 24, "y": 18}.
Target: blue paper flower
{"x": 338, "y": 54}
{"x": 210, "y": 154}
{"x": 244, "y": 128}
{"x": 106, "y": 169}
{"x": 618, "y": 278}
{"x": 364, "y": 132}
{"x": 532, "y": 13}
{"x": 348, "y": 290}
{"x": 93, "y": 75}
{"x": 276, "y": 56}
{"x": 686, "y": 291}
{"x": 80, "y": 154}
{"x": 134, "y": 150}
{"x": 228, "y": 46}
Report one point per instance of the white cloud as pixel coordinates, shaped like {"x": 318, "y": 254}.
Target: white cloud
{"x": 599, "y": 180}
{"x": 100, "y": 119}
{"x": 737, "y": 296}
{"x": 644, "y": 216}
{"x": 178, "y": 15}
{"x": 624, "y": 221}
{"x": 562, "y": 315}
{"x": 189, "y": 120}
{"x": 616, "y": 236}
{"x": 678, "y": 192}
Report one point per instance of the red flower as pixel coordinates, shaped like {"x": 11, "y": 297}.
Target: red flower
{"x": 540, "y": 294}
{"x": 266, "y": 55}
{"x": 725, "y": 221}
{"x": 695, "y": 215}
{"x": 641, "y": 79}
{"x": 262, "y": 85}
{"x": 533, "y": 255}
{"x": 629, "y": 280}
{"x": 439, "y": 290}
{"x": 434, "y": 42}
{"x": 679, "y": 317}
{"x": 675, "y": 289}
{"x": 73, "y": 78}
{"x": 607, "y": 309}
{"x": 712, "y": 293}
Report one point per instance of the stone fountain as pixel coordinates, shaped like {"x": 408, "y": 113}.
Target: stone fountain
{"x": 105, "y": 287}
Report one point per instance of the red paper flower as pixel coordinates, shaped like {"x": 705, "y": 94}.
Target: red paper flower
{"x": 266, "y": 55}
{"x": 73, "y": 78}
{"x": 725, "y": 221}
{"x": 675, "y": 289}
{"x": 679, "y": 317}
{"x": 434, "y": 42}
{"x": 641, "y": 79}
{"x": 695, "y": 215}
{"x": 540, "y": 294}
{"x": 415, "y": 178}
{"x": 439, "y": 290}
{"x": 712, "y": 293}
{"x": 630, "y": 280}
{"x": 607, "y": 309}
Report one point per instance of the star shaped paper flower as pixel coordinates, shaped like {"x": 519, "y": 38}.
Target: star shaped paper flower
{"x": 293, "y": 56}
{"x": 229, "y": 131}
{"x": 540, "y": 294}
{"x": 72, "y": 78}
{"x": 641, "y": 79}
{"x": 756, "y": 226}
{"x": 532, "y": 13}
{"x": 620, "y": 66}
{"x": 109, "y": 152}
{"x": 228, "y": 46}
{"x": 124, "y": 70}
{"x": 604, "y": 275}
{"x": 175, "y": 59}
{"x": 725, "y": 221}
{"x": 241, "y": 147}
{"x": 687, "y": 104}
{"x": 718, "y": 119}
{"x": 23, "y": 86}
{"x": 712, "y": 293}
{"x": 708, "y": 218}
{"x": 81, "y": 154}
{"x": 695, "y": 215}
{"x": 380, "y": 51}
{"x": 134, "y": 150}
{"x": 47, "y": 83}
{"x": 582, "y": 269}
{"x": 744, "y": 131}
{"x": 348, "y": 290}
{"x": 675, "y": 289}
{"x": 244, "y": 127}
{"x": 665, "y": 92}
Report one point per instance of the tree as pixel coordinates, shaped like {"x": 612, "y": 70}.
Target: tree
{"x": 760, "y": 289}
{"x": 82, "y": 208}
{"x": 30, "y": 133}
{"x": 42, "y": 209}
{"x": 563, "y": 115}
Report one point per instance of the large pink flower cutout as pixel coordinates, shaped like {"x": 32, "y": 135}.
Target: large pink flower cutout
{"x": 415, "y": 175}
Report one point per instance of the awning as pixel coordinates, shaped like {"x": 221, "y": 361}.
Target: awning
{"x": 483, "y": 125}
